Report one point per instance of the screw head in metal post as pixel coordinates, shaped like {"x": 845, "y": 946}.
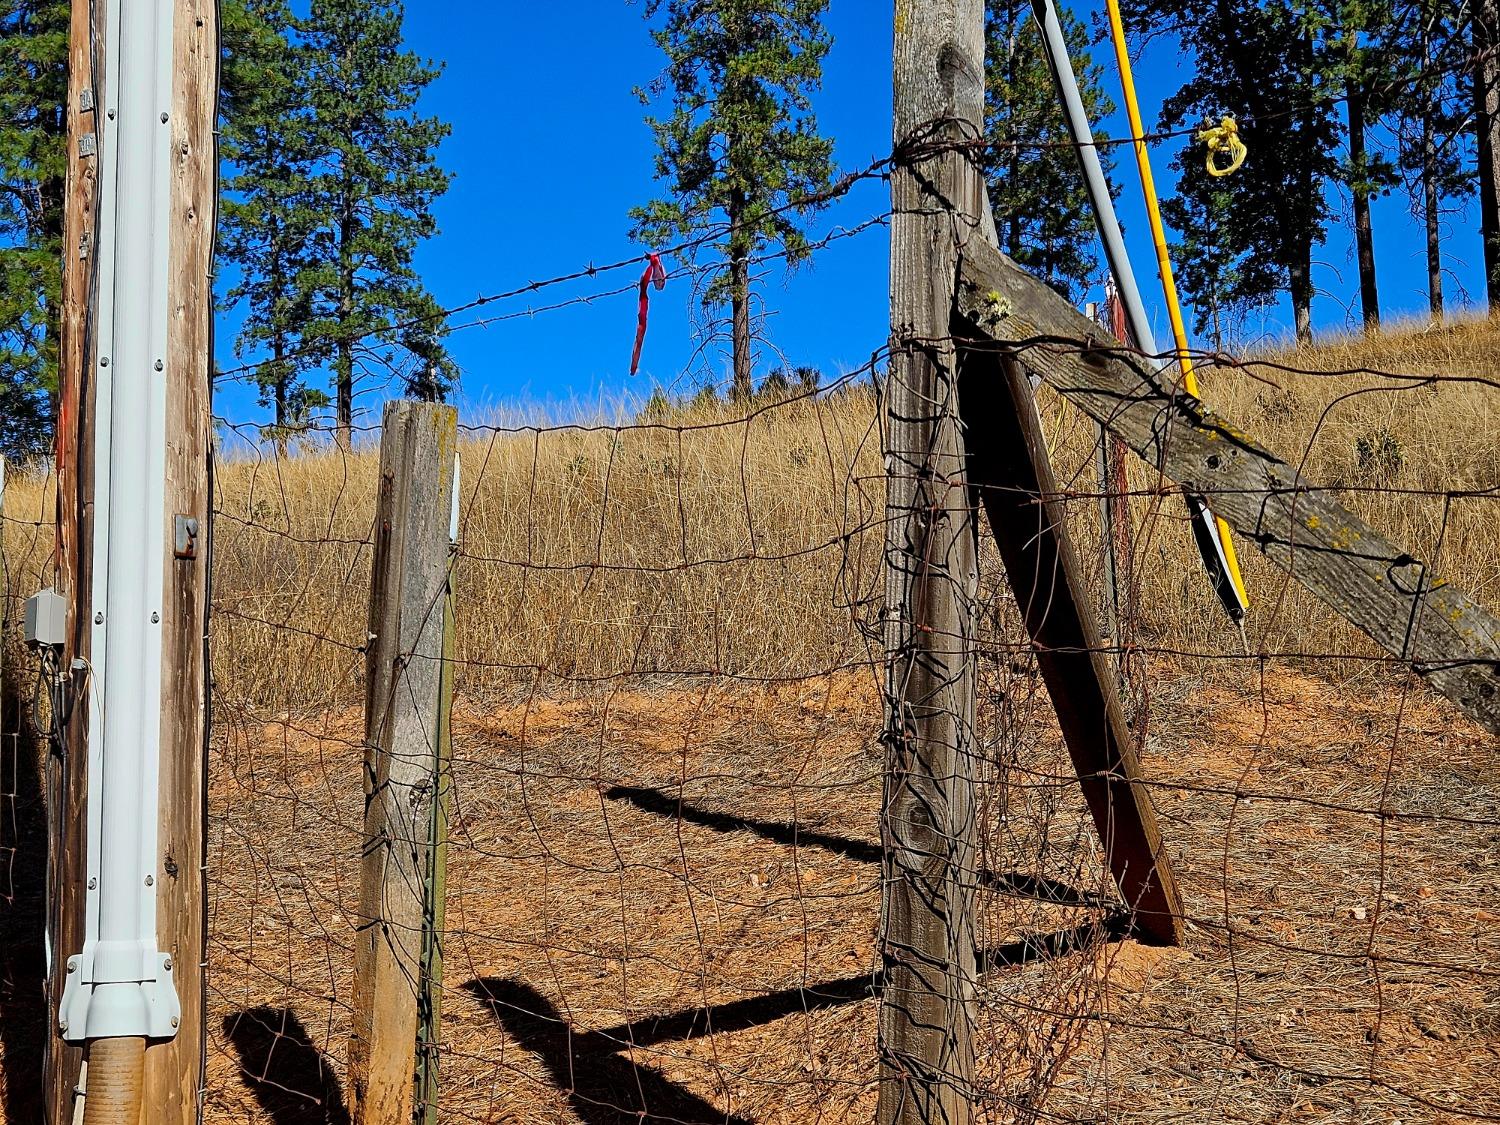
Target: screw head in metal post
{"x": 149, "y": 880}
{"x": 160, "y": 365}
{"x": 104, "y": 361}
{"x": 99, "y": 618}
{"x": 155, "y": 617}
{"x": 93, "y": 884}
{"x": 166, "y": 963}
{"x": 175, "y": 1021}
{"x": 164, "y": 119}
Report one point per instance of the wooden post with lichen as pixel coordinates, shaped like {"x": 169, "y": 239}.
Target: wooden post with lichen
{"x": 406, "y": 714}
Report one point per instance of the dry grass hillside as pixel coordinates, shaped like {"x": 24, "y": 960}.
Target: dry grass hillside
{"x": 751, "y": 547}
{"x": 665, "y": 869}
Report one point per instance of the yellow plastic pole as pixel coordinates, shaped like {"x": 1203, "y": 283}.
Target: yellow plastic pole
{"x": 1163, "y": 262}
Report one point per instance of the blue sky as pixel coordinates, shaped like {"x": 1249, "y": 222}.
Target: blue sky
{"x": 550, "y": 150}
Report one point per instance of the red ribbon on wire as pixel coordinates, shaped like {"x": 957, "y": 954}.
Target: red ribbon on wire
{"x": 654, "y": 275}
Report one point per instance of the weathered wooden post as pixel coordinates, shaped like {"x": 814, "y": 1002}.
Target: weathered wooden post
{"x": 405, "y": 721}
{"x": 126, "y": 834}
{"x": 927, "y": 823}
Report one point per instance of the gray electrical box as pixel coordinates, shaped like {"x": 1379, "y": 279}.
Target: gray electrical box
{"x": 46, "y": 619}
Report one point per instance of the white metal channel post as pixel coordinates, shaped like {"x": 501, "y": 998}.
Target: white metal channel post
{"x": 120, "y": 985}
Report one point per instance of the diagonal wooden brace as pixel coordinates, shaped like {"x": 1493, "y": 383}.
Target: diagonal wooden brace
{"x": 1434, "y": 628}
{"x": 1009, "y": 472}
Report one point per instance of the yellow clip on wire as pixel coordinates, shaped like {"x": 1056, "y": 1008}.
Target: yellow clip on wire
{"x": 1225, "y": 136}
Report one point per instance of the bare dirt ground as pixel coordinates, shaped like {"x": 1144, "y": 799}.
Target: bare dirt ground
{"x": 664, "y": 898}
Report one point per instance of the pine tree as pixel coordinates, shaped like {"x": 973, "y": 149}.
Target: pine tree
{"x": 1270, "y": 63}
{"x": 1357, "y": 29}
{"x": 1036, "y": 189}
{"x": 741, "y": 147}
{"x": 1213, "y": 277}
{"x": 265, "y": 220}
{"x": 33, "y": 173}
{"x": 1484, "y": 49}
{"x": 372, "y": 179}
{"x": 1365, "y": 53}
{"x": 1431, "y": 116}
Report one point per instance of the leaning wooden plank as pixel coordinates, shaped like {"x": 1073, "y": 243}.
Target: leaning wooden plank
{"x": 1010, "y": 469}
{"x": 1428, "y": 624}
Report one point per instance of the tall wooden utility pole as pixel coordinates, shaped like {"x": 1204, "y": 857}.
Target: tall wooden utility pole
{"x": 133, "y": 508}
{"x": 927, "y": 825}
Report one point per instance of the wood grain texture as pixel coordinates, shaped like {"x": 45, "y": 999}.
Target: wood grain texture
{"x": 404, "y": 673}
{"x": 1012, "y": 474}
{"x": 1433, "y": 627}
{"x": 74, "y": 572}
{"x": 174, "y": 1068}
{"x": 928, "y": 812}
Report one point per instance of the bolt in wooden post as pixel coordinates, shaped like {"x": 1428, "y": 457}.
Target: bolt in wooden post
{"x": 927, "y": 821}
{"x": 405, "y": 714}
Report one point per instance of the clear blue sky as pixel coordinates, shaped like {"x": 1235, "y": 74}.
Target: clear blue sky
{"x": 550, "y": 150}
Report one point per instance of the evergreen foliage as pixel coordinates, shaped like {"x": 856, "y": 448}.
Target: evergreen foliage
{"x": 33, "y": 171}
{"x": 1037, "y": 190}
{"x": 1269, "y": 63}
{"x": 265, "y": 219}
{"x": 740, "y": 151}
{"x": 333, "y": 177}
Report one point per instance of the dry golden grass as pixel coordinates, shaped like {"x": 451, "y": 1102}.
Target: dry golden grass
{"x": 752, "y": 547}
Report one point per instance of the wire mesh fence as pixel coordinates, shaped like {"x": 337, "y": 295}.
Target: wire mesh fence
{"x": 664, "y": 867}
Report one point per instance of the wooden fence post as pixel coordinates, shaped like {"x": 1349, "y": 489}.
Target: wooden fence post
{"x": 404, "y": 716}
{"x": 927, "y": 821}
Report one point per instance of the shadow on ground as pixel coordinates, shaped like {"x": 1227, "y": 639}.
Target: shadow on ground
{"x": 284, "y": 1069}
{"x": 606, "y": 1088}
{"x": 662, "y": 803}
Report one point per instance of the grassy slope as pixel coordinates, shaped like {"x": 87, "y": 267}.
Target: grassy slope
{"x": 750, "y": 547}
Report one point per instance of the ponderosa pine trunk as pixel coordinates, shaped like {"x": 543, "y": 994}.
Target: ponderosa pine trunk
{"x": 343, "y": 364}
{"x": 1299, "y": 242}
{"x": 1301, "y": 291}
{"x": 743, "y": 385}
{"x": 1485, "y": 37}
{"x": 1364, "y": 234}
{"x": 1430, "y": 216}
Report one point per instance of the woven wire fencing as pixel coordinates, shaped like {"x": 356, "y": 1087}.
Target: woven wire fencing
{"x": 663, "y": 888}
{"x": 664, "y": 867}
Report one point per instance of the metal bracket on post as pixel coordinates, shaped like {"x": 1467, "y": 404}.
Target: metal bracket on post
{"x": 94, "y": 1009}
{"x": 185, "y": 537}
